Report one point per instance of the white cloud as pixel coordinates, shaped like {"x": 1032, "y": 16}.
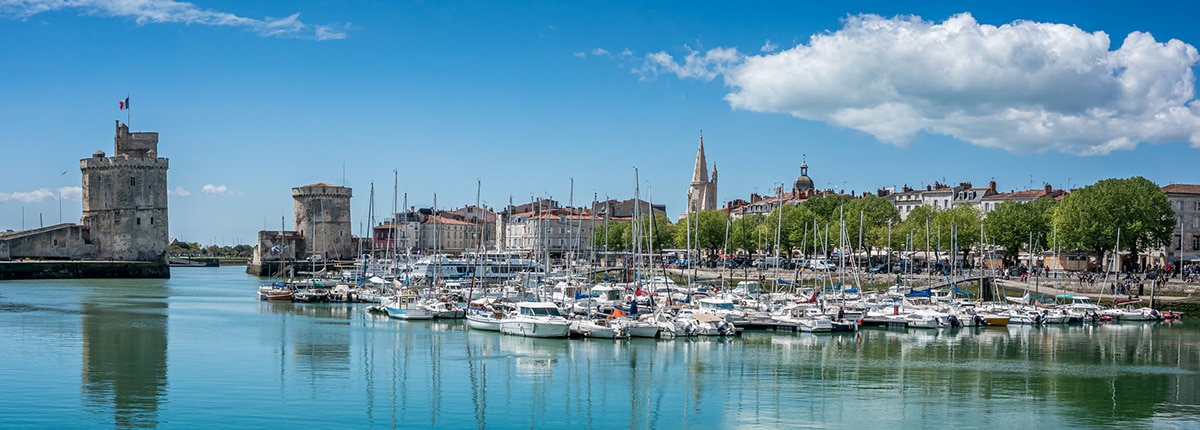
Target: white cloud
{"x": 580, "y": 54}
{"x": 179, "y": 191}
{"x": 696, "y": 65}
{"x": 70, "y": 193}
{"x": 600, "y": 52}
{"x": 216, "y": 190}
{"x": 43, "y": 195}
{"x": 171, "y": 11}
{"x": 769, "y": 47}
{"x": 1023, "y": 87}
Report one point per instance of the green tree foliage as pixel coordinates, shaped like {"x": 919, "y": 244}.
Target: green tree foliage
{"x": 797, "y": 229}
{"x": 612, "y": 236}
{"x": 914, "y": 232}
{"x": 1012, "y": 224}
{"x": 662, "y": 230}
{"x": 956, "y": 229}
{"x": 1090, "y": 217}
{"x": 744, "y": 234}
{"x": 707, "y": 229}
{"x": 870, "y": 212}
{"x": 826, "y": 207}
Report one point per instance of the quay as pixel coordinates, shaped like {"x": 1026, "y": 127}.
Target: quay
{"x": 83, "y": 269}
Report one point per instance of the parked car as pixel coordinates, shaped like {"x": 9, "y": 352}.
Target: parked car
{"x": 822, "y": 265}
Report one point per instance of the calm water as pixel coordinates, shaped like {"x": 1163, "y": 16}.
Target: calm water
{"x": 199, "y": 350}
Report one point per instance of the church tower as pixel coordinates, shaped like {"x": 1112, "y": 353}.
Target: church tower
{"x": 125, "y": 198}
{"x": 702, "y": 195}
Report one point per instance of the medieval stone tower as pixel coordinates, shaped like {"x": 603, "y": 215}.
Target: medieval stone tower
{"x": 125, "y": 198}
{"x": 702, "y": 196}
{"x": 323, "y": 217}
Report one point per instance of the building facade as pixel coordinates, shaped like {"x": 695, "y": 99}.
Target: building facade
{"x": 1185, "y": 201}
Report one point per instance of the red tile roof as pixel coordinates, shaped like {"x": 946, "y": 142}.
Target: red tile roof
{"x": 1181, "y": 189}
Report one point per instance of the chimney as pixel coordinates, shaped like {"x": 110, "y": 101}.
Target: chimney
{"x": 1049, "y": 188}
{"x": 992, "y": 186}
{"x": 928, "y": 188}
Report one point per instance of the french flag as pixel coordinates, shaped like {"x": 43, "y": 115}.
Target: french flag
{"x": 123, "y": 104}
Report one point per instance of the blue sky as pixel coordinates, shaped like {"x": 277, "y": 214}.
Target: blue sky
{"x": 253, "y": 98}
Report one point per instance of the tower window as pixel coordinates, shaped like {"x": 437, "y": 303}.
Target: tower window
{"x": 151, "y": 220}
{"x": 139, "y": 221}
{"x": 132, "y": 180}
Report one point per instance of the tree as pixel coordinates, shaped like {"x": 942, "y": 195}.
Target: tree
{"x": 663, "y": 231}
{"x": 797, "y": 220}
{"x": 1012, "y": 223}
{"x": 707, "y": 229}
{"x": 826, "y": 207}
{"x": 1090, "y": 217}
{"x": 873, "y": 212}
{"x": 744, "y": 233}
{"x": 956, "y": 229}
{"x": 611, "y": 236}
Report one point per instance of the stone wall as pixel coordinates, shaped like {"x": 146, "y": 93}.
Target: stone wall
{"x": 125, "y": 206}
{"x": 83, "y": 269}
{"x": 60, "y": 242}
{"x": 322, "y": 214}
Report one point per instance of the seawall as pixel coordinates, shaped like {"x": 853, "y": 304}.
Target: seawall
{"x": 83, "y": 269}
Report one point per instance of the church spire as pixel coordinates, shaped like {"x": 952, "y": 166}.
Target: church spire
{"x": 700, "y": 172}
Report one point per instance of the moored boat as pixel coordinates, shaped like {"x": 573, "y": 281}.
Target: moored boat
{"x": 406, "y": 307}
{"x": 536, "y": 319}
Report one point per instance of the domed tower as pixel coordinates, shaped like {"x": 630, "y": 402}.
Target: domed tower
{"x": 125, "y": 198}
{"x": 323, "y": 217}
{"x": 803, "y": 183}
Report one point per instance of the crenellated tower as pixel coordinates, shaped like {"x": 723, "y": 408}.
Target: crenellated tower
{"x": 125, "y": 198}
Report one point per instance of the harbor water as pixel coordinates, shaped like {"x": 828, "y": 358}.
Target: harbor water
{"x": 200, "y": 351}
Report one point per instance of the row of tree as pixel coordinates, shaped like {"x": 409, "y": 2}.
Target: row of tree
{"x": 195, "y": 249}
{"x": 1088, "y": 218}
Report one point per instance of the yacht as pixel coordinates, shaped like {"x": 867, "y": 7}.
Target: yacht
{"x": 536, "y": 319}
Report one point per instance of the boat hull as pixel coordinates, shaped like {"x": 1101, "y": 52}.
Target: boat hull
{"x": 477, "y": 322}
{"x": 410, "y": 314}
{"x": 536, "y": 328}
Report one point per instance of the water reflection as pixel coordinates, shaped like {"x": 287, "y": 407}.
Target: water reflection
{"x": 124, "y": 328}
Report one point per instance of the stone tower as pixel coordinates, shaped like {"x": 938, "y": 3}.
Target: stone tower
{"x": 323, "y": 217}
{"x": 702, "y": 196}
{"x": 125, "y": 198}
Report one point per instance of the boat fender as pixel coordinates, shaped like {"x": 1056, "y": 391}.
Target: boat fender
{"x": 629, "y": 298}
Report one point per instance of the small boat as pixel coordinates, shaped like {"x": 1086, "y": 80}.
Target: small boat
{"x": 446, "y": 310}
{"x": 637, "y": 328}
{"x": 597, "y": 327}
{"x": 406, "y": 307}
{"x": 536, "y": 319}
{"x": 486, "y": 314}
{"x": 703, "y": 324}
{"x": 276, "y": 292}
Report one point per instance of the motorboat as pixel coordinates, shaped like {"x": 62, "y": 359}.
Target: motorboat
{"x": 536, "y": 319}
{"x": 597, "y": 327}
{"x": 406, "y": 307}
{"x": 445, "y": 310}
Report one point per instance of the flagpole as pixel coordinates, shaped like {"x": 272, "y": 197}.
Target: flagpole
{"x": 128, "y": 111}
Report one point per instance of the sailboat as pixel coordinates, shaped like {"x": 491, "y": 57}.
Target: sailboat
{"x": 279, "y": 291}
